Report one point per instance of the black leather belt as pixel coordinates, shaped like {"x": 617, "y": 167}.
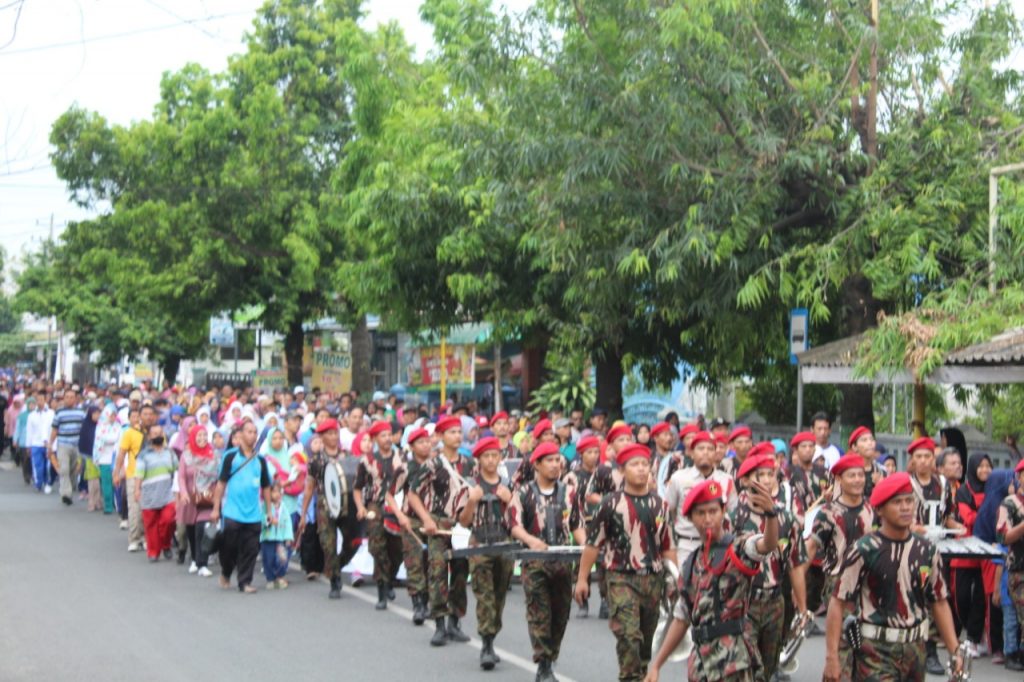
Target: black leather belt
{"x": 702, "y": 634}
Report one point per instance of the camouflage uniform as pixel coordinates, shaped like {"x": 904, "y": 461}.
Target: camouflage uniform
{"x": 414, "y": 553}
{"x": 634, "y": 533}
{"x": 375, "y": 477}
{"x": 935, "y": 490}
{"x": 767, "y": 613}
{"x": 327, "y": 527}
{"x": 892, "y": 585}
{"x": 582, "y": 483}
{"x": 685, "y": 534}
{"x": 835, "y": 527}
{"x": 807, "y": 486}
{"x": 713, "y": 598}
{"x": 442, "y": 493}
{"x": 491, "y": 575}
{"x": 547, "y": 585}
{"x": 1011, "y": 513}
{"x": 872, "y": 471}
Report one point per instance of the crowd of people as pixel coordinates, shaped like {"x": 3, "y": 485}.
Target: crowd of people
{"x": 735, "y": 539}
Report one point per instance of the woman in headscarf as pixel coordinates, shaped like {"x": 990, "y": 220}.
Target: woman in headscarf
{"x": 968, "y": 587}
{"x": 282, "y": 461}
{"x": 86, "y": 441}
{"x": 996, "y": 488}
{"x": 954, "y": 438}
{"x": 270, "y": 422}
{"x": 204, "y": 420}
{"x": 197, "y": 478}
{"x": 179, "y": 441}
{"x": 232, "y": 419}
{"x": 108, "y": 436}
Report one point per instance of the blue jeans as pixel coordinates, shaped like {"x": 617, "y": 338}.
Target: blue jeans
{"x": 1011, "y": 634}
{"x": 273, "y": 567}
{"x": 42, "y": 472}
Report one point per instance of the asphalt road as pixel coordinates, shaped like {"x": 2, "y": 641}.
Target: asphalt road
{"x": 75, "y": 603}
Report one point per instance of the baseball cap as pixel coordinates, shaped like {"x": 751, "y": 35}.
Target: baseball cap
{"x": 298, "y": 389}
{"x": 718, "y": 421}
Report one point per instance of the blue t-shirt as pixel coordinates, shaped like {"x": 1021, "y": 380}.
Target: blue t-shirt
{"x": 244, "y": 480}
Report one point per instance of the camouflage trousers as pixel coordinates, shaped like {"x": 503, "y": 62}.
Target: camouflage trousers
{"x": 491, "y": 577}
{"x": 415, "y": 556}
{"x": 634, "y": 604}
{"x": 327, "y": 531}
{"x": 879, "y": 661}
{"x": 446, "y": 578}
{"x": 385, "y": 548}
{"x": 547, "y": 586}
{"x": 768, "y": 630}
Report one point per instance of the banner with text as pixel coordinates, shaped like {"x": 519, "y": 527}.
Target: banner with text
{"x": 424, "y": 367}
{"x": 270, "y": 379}
{"x": 332, "y": 371}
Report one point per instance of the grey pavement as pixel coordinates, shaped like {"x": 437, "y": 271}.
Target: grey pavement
{"x": 74, "y": 604}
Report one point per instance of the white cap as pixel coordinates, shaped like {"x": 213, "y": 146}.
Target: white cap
{"x": 298, "y": 389}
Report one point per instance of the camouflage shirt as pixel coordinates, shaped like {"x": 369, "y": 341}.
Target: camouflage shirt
{"x": 585, "y": 483}
{"x": 438, "y": 486}
{"x": 404, "y": 473}
{"x": 715, "y": 592}
{"x": 893, "y": 582}
{"x": 807, "y": 486}
{"x": 836, "y": 527}
{"x": 316, "y": 469}
{"x": 791, "y": 551}
{"x": 1011, "y": 513}
{"x": 489, "y": 522}
{"x": 936, "y": 490}
{"x": 376, "y": 474}
{"x": 871, "y": 472}
{"x": 633, "y": 531}
{"x": 551, "y": 518}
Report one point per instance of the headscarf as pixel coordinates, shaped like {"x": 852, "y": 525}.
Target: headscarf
{"x": 995, "y": 492}
{"x": 357, "y": 443}
{"x": 973, "y": 485}
{"x": 193, "y": 445}
{"x": 955, "y": 439}
{"x": 180, "y": 439}
{"x": 267, "y": 449}
{"x": 87, "y": 436}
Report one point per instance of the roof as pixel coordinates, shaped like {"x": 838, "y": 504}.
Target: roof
{"x": 1003, "y": 349}
{"x": 841, "y": 353}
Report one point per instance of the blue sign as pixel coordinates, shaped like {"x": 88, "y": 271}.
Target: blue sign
{"x": 799, "y": 331}
{"x": 222, "y": 332}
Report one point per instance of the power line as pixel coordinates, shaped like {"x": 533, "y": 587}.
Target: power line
{"x": 123, "y": 34}
{"x": 17, "y": 18}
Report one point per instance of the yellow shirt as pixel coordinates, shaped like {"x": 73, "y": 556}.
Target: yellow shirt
{"x": 131, "y": 441}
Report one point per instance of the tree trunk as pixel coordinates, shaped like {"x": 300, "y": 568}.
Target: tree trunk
{"x": 169, "y": 368}
{"x": 362, "y": 352}
{"x": 609, "y": 382}
{"x": 861, "y": 309}
{"x": 294, "y": 341}
{"x": 534, "y": 357}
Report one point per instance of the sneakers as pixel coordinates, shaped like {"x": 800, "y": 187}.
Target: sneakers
{"x": 167, "y": 554}
{"x": 135, "y": 547}
{"x": 48, "y": 489}
{"x": 204, "y": 572}
{"x": 972, "y": 649}
{"x": 281, "y": 583}
{"x": 193, "y": 568}
{"x": 66, "y": 500}
{"x": 123, "y": 525}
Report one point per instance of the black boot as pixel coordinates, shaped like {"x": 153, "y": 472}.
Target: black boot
{"x": 583, "y": 610}
{"x": 335, "y": 592}
{"x": 487, "y": 658}
{"x": 391, "y": 592}
{"x": 603, "y": 612}
{"x": 1015, "y": 661}
{"x": 455, "y": 633}
{"x": 382, "y": 597}
{"x": 440, "y": 637}
{"x": 544, "y": 672}
{"x": 419, "y": 609}
{"x": 931, "y": 661}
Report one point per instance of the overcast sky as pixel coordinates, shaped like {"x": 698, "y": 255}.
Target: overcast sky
{"x": 108, "y": 56}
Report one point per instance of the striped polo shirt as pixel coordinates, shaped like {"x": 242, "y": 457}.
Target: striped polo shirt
{"x": 156, "y": 470}
{"x": 68, "y": 422}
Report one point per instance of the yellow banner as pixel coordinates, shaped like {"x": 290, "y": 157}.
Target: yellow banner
{"x": 332, "y": 371}
{"x": 424, "y": 367}
{"x": 270, "y": 379}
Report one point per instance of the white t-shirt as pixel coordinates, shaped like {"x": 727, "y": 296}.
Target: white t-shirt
{"x": 829, "y": 452}
{"x": 345, "y": 439}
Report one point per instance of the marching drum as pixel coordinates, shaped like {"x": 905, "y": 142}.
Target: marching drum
{"x": 335, "y": 488}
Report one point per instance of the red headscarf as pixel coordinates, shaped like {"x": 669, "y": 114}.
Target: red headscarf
{"x": 193, "y": 447}
{"x": 357, "y": 443}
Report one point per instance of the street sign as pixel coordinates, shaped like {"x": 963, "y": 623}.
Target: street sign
{"x": 222, "y": 332}
{"x": 799, "y": 328}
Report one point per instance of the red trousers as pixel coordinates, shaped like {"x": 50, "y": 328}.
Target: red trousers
{"x": 159, "y": 525}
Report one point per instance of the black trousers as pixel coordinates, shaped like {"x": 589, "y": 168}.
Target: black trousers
{"x": 239, "y": 547}
{"x": 970, "y": 602}
{"x": 195, "y": 546}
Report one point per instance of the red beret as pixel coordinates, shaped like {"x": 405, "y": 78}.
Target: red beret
{"x": 631, "y": 451}
{"x": 540, "y": 427}
{"x": 445, "y": 423}
{"x": 857, "y": 433}
{"x": 659, "y": 427}
{"x": 756, "y": 462}
{"x": 705, "y": 491}
{"x": 415, "y": 435}
{"x": 921, "y": 444}
{"x": 379, "y": 427}
{"x": 543, "y": 450}
{"x": 587, "y": 442}
{"x": 762, "y": 448}
{"x": 498, "y": 416}
{"x": 888, "y": 488}
{"x": 702, "y": 437}
{"x": 620, "y": 430}
{"x": 740, "y": 431}
{"x": 688, "y": 429}
{"x": 802, "y": 437}
{"x": 485, "y": 444}
{"x": 721, "y": 438}
{"x": 327, "y": 425}
{"x": 848, "y": 461}
{"x": 1020, "y": 466}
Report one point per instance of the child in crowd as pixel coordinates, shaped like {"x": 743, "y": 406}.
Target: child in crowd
{"x": 277, "y": 533}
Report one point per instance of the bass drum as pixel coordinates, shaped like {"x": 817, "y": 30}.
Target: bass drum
{"x": 334, "y": 488}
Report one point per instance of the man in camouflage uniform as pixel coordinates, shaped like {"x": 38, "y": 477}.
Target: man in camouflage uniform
{"x": 372, "y": 487}
{"x": 807, "y": 476}
{"x": 862, "y": 442}
{"x": 502, "y": 427}
{"x": 542, "y": 432}
{"x": 842, "y": 519}
{"x": 327, "y": 527}
{"x": 893, "y": 579}
{"x": 484, "y": 513}
{"x": 435, "y": 494}
{"x": 413, "y": 550}
{"x": 1010, "y": 532}
{"x": 714, "y": 588}
{"x": 542, "y": 514}
{"x": 632, "y": 528}
{"x": 767, "y": 611}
